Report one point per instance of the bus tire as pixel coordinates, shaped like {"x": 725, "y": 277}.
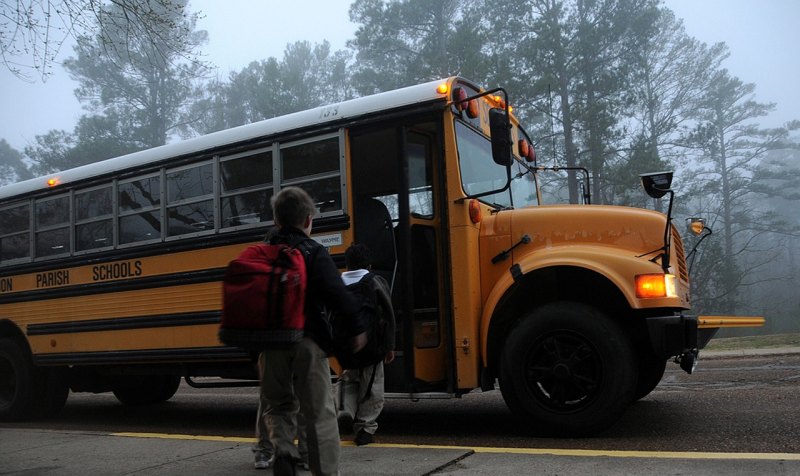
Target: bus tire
{"x": 18, "y": 382}
{"x": 53, "y": 391}
{"x": 651, "y": 371}
{"x": 147, "y": 389}
{"x": 567, "y": 370}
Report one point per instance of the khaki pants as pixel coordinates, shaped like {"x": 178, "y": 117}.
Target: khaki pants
{"x": 262, "y": 444}
{"x": 298, "y": 378}
{"x": 353, "y": 387}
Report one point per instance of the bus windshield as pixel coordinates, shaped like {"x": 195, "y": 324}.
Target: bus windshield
{"x": 479, "y": 173}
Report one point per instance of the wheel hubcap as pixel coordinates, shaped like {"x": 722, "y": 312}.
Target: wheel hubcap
{"x": 563, "y": 371}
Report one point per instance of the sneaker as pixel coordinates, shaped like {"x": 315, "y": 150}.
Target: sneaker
{"x": 284, "y": 466}
{"x": 345, "y": 421}
{"x": 262, "y": 461}
{"x": 363, "y": 438}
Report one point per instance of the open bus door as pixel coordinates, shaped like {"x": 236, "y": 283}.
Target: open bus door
{"x": 397, "y": 214}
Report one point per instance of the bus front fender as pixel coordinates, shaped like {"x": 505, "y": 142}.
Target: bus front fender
{"x": 619, "y": 267}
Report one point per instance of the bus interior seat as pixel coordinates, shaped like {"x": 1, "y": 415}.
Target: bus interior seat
{"x": 374, "y": 229}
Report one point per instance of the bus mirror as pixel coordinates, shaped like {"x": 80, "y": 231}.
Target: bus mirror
{"x": 500, "y": 129}
{"x": 657, "y": 184}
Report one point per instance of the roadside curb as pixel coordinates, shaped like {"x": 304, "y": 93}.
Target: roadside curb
{"x": 723, "y": 354}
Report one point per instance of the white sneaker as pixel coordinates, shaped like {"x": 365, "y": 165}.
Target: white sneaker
{"x": 262, "y": 461}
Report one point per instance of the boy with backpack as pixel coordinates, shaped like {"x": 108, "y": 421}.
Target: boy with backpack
{"x": 296, "y": 376}
{"x": 361, "y": 389}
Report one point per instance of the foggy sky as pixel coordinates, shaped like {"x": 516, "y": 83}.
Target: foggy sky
{"x": 762, "y": 35}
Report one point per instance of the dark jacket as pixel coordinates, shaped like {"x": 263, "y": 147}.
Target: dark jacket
{"x": 324, "y": 290}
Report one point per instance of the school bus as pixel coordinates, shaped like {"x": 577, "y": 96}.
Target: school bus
{"x": 110, "y": 273}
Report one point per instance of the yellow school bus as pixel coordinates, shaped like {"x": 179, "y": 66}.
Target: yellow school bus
{"x": 110, "y": 273}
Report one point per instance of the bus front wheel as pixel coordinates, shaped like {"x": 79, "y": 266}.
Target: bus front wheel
{"x": 147, "y": 389}
{"x": 568, "y": 370}
{"x": 651, "y": 371}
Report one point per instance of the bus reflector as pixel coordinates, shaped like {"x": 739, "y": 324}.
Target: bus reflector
{"x": 471, "y": 106}
{"x": 523, "y": 145}
{"x": 472, "y": 109}
{"x": 475, "y": 213}
{"x": 531, "y": 157}
{"x": 526, "y": 150}
{"x": 655, "y": 286}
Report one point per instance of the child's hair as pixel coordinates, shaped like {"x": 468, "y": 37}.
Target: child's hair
{"x": 291, "y": 206}
{"x": 357, "y": 256}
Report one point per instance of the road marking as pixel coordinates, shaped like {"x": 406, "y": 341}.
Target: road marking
{"x": 526, "y": 451}
{"x": 171, "y": 436}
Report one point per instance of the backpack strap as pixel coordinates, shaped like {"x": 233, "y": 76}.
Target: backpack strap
{"x": 292, "y": 241}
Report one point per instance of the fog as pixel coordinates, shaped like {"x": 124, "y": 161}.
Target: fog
{"x": 762, "y": 36}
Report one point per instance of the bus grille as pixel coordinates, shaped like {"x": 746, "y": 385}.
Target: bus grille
{"x": 680, "y": 255}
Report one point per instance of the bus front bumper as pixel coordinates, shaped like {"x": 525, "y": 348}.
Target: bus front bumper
{"x": 683, "y": 336}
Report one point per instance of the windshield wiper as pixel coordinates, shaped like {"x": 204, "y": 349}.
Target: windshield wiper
{"x": 496, "y": 207}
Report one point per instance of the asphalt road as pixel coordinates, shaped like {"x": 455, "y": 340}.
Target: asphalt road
{"x": 743, "y": 404}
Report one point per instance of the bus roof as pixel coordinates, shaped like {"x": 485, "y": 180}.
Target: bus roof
{"x": 416, "y": 94}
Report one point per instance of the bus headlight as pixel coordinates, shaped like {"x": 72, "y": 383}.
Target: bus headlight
{"x": 655, "y": 286}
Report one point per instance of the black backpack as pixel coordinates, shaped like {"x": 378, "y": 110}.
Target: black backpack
{"x": 377, "y": 330}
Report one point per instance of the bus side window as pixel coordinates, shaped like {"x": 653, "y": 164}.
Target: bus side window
{"x": 93, "y": 219}
{"x": 15, "y": 232}
{"x": 52, "y": 226}
{"x": 190, "y": 199}
{"x": 139, "y": 210}
{"x": 246, "y": 188}
{"x": 315, "y": 166}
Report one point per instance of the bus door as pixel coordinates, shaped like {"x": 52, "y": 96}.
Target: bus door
{"x": 397, "y": 215}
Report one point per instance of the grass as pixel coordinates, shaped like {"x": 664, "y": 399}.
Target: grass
{"x": 755, "y": 342}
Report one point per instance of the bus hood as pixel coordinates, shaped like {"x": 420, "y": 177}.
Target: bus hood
{"x": 638, "y": 230}
{"x": 600, "y": 237}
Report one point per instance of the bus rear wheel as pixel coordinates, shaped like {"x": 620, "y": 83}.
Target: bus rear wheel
{"x": 147, "y": 389}
{"x": 27, "y": 391}
{"x": 568, "y": 370}
{"x": 17, "y": 382}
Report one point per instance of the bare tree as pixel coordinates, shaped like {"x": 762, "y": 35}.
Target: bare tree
{"x": 729, "y": 171}
{"x": 33, "y": 32}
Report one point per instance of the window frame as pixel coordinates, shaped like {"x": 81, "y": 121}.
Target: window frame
{"x": 113, "y": 217}
{"x": 222, "y": 194}
{"x": 160, "y": 208}
{"x": 298, "y": 182}
{"x": 68, "y": 225}
{"x": 213, "y": 197}
{"x": 28, "y": 230}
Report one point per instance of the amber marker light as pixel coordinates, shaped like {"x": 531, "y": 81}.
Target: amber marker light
{"x": 475, "y": 213}
{"x": 523, "y": 147}
{"x": 52, "y": 182}
{"x": 650, "y": 286}
{"x": 442, "y": 88}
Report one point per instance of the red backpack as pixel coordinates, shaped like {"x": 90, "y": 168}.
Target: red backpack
{"x": 263, "y": 297}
